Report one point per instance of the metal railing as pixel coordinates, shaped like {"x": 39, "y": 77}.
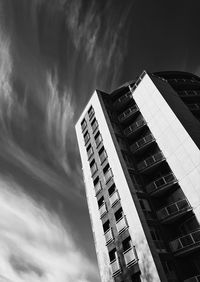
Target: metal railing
{"x": 150, "y": 161}
{"x": 102, "y": 209}
{"x": 121, "y": 224}
{"x": 193, "y": 279}
{"x": 130, "y": 256}
{"x": 134, "y": 127}
{"x": 174, "y": 208}
{"x": 114, "y": 197}
{"x": 186, "y": 241}
{"x": 126, "y": 97}
{"x": 109, "y": 236}
{"x": 98, "y": 140}
{"x": 128, "y": 113}
{"x": 115, "y": 266}
{"x": 93, "y": 169}
{"x": 90, "y": 152}
{"x": 161, "y": 182}
{"x": 94, "y": 126}
{"x": 142, "y": 142}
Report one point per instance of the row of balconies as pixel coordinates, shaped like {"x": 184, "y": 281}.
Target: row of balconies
{"x": 128, "y": 113}
{"x": 130, "y": 257}
{"x": 141, "y": 143}
{"x": 150, "y": 161}
{"x": 134, "y": 127}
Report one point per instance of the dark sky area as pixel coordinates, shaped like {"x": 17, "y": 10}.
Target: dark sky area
{"x": 53, "y": 55}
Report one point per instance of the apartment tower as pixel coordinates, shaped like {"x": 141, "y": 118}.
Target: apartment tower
{"x": 139, "y": 148}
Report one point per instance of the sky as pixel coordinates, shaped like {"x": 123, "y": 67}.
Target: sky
{"x": 53, "y": 55}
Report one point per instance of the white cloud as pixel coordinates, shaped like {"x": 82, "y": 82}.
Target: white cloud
{"x": 34, "y": 244}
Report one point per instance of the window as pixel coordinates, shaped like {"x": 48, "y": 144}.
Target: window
{"x": 111, "y": 190}
{"x": 96, "y": 180}
{"x": 98, "y": 139}
{"x": 106, "y": 226}
{"x": 83, "y": 124}
{"x": 102, "y": 155}
{"x": 93, "y": 167}
{"x": 90, "y": 151}
{"x": 119, "y": 214}
{"x": 112, "y": 254}
{"x": 94, "y": 124}
{"x": 90, "y": 112}
{"x": 107, "y": 173}
{"x": 127, "y": 244}
{"x": 86, "y": 137}
{"x": 101, "y": 202}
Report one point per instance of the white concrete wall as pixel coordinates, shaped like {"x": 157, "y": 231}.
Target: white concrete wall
{"x": 182, "y": 154}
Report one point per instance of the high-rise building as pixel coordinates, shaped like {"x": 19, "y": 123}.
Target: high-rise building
{"x": 139, "y": 148}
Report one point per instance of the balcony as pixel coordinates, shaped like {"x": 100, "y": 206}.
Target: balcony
{"x": 115, "y": 266}
{"x": 123, "y": 100}
{"x": 93, "y": 169}
{"x": 98, "y": 141}
{"x": 128, "y": 113}
{"x": 174, "y": 211}
{"x": 151, "y": 161}
{"x": 83, "y": 126}
{"x": 142, "y": 143}
{"x": 102, "y": 210}
{"x": 134, "y": 127}
{"x": 108, "y": 175}
{"x": 186, "y": 244}
{"x": 193, "y": 279}
{"x": 109, "y": 236}
{"x": 98, "y": 187}
{"x": 114, "y": 198}
{"x": 161, "y": 184}
{"x": 121, "y": 224}
{"x": 130, "y": 256}
{"x": 86, "y": 139}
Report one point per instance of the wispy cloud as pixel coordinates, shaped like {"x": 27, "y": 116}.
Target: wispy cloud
{"x": 34, "y": 244}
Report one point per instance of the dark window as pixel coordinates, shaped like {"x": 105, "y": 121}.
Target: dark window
{"x": 93, "y": 167}
{"x": 102, "y": 155}
{"x": 100, "y": 201}
{"x": 106, "y": 226}
{"x": 91, "y": 112}
{"x": 94, "y": 124}
{"x": 86, "y": 137}
{"x": 83, "y": 124}
{"x": 112, "y": 255}
{"x": 90, "y": 151}
{"x": 98, "y": 138}
{"x": 111, "y": 190}
{"x": 106, "y": 168}
{"x": 127, "y": 244}
{"x": 118, "y": 214}
{"x": 96, "y": 180}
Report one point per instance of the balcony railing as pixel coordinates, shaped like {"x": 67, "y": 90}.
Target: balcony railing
{"x": 97, "y": 187}
{"x": 109, "y": 236}
{"x": 194, "y": 107}
{"x": 193, "y": 279}
{"x": 121, "y": 224}
{"x": 134, "y": 127}
{"x": 152, "y": 160}
{"x": 142, "y": 142}
{"x": 83, "y": 126}
{"x": 130, "y": 256}
{"x": 114, "y": 198}
{"x": 108, "y": 175}
{"x": 187, "y": 242}
{"x": 103, "y": 157}
{"x": 174, "y": 209}
{"x": 102, "y": 210}
{"x": 161, "y": 182}
{"x": 86, "y": 138}
{"x": 115, "y": 266}
{"x": 130, "y": 111}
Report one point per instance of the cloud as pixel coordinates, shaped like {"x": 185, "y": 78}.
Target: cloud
{"x": 59, "y": 123}
{"x": 34, "y": 244}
